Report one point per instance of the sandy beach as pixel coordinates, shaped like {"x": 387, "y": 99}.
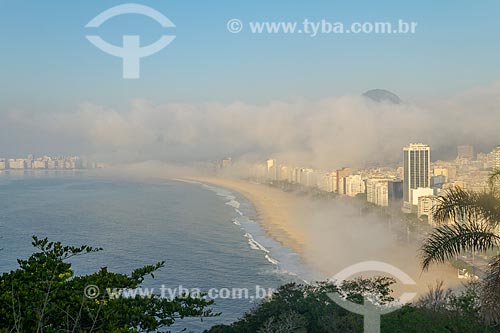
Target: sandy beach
{"x": 329, "y": 237}
{"x": 275, "y": 210}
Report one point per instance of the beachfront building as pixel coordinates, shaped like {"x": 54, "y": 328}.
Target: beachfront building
{"x": 44, "y": 162}
{"x": 377, "y": 191}
{"x": 425, "y": 207}
{"x": 39, "y": 164}
{"x": 352, "y": 185}
{"x": 416, "y": 172}
{"x": 384, "y": 192}
{"x": 272, "y": 169}
{"x": 341, "y": 174}
{"x": 51, "y": 164}
{"x": 17, "y": 163}
{"x": 420, "y": 192}
{"x": 307, "y": 177}
{"x": 284, "y": 173}
{"x": 395, "y": 192}
{"x": 328, "y": 182}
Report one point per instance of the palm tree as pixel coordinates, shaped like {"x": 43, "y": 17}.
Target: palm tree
{"x": 475, "y": 226}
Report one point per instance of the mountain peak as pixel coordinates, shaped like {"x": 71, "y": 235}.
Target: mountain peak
{"x": 382, "y": 95}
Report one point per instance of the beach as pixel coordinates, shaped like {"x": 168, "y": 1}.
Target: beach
{"x": 330, "y": 237}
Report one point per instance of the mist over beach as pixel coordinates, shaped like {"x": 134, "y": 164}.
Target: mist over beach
{"x": 332, "y": 236}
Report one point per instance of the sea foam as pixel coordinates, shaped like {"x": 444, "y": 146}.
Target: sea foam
{"x": 290, "y": 258}
{"x": 254, "y": 244}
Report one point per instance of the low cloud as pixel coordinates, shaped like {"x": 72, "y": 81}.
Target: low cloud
{"x": 347, "y": 130}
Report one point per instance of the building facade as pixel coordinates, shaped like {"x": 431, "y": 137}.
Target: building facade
{"x": 341, "y": 174}
{"x": 416, "y": 169}
{"x": 351, "y": 185}
{"x": 426, "y": 205}
{"x": 377, "y": 191}
{"x": 395, "y": 192}
{"x": 496, "y": 157}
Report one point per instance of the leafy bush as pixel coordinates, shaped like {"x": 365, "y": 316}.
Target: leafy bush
{"x": 43, "y": 295}
{"x": 296, "y": 308}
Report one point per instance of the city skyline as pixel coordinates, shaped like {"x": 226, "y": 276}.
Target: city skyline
{"x": 412, "y": 187}
{"x": 45, "y": 162}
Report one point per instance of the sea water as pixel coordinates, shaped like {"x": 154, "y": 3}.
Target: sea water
{"x": 209, "y": 236}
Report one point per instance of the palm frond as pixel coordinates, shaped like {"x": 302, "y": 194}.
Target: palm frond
{"x": 490, "y": 291}
{"x": 458, "y": 205}
{"x": 490, "y": 207}
{"x": 448, "y": 241}
{"x": 494, "y": 179}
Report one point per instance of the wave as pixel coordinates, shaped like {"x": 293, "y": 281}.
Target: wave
{"x": 233, "y": 203}
{"x": 187, "y": 181}
{"x": 271, "y": 260}
{"x": 290, "y": 258}
{"x": 289, "y": 273}
{"x": 254, "y": 244}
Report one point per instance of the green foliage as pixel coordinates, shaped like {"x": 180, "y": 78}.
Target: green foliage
{"x": 439, "y": 311}
{"x": 288, "y": 322}
{"x": 43, "y": 295}
{"x": 295, "y": 308}
{"x": 310, "y": 302}
{"x": 378, "y": 287}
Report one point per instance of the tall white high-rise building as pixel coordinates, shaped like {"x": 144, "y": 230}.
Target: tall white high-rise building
{"x": 417, "y": 172}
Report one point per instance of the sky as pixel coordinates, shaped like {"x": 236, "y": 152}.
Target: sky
{"x": 52, "y": 76}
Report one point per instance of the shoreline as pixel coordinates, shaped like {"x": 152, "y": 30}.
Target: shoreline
{"x": 269, "y": 215}
{"x": 328, "y": 241}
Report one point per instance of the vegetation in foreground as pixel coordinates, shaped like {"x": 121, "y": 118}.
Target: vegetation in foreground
{"x": 296, "y": 308}
{"x": 43, "y": 295}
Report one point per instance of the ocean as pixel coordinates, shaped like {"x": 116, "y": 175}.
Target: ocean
{"x": 208, "y": 236}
